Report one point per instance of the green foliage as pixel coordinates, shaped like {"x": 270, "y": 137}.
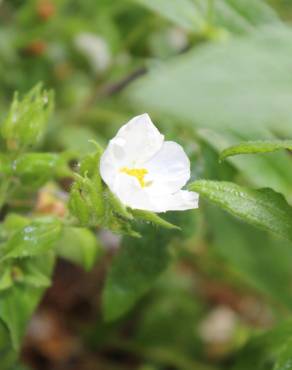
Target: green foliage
{"x": 36, "y": 169}
{"x": 267, "y": 350}
{"x": 30, "y": 280}
{"x": 284, "y": 358}
{"x": 263, "y": 208}
{"x": 227, "y": 81}
{"x": 254, "y": 257}
{"x": 254, "y": 147}
{"x": 134, "y": 270}
{"x": 80, "y": 246}
{"x": 152, "y": 218}
{"x": 182, "y": 12}
{"x": 199, "y": 16}
{"x": 260, "y": 170}
{"x": 185, "y": 88}
{"x": 37, "y": 237}
{"x": 8, "y": 355}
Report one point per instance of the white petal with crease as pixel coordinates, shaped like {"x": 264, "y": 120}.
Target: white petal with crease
{"x": 140, "y": 140}
{"x": 169, "y": 169}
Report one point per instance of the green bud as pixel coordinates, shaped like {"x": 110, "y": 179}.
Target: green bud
{"x": 26, "y": 121}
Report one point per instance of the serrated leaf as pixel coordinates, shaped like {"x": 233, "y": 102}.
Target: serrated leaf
{"x": 135, "y": 268}
{"x": 79, "y": 245}
{"x": 153, "y": 218}
{"x": 255, "y": 147}
{"x": 263, "y": 208}
{"x": 33, "y": 239}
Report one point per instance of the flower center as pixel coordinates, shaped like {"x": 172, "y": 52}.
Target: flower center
{"x": 139, "y": 173}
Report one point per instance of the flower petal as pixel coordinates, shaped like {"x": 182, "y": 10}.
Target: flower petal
{"x": 179, "y": 201}
{"x": 130, "y": 193}
{"x": 140, "y": 140}
{"x": 169, "y": 169}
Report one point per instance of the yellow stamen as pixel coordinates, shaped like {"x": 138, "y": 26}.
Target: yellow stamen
{"x": 139, "y": 173}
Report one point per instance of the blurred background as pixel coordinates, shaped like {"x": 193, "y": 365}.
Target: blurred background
{"x": 210, "y": 74}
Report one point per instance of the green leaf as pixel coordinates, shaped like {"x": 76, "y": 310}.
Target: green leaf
{"x": 263, "y": 208}
{"x": 134, "y": 270}
{"x": 6, "y": 280}
{"x": 35, "y": 169}
{"x": 35, "y": 272}
{"x": 79, "y": 245}
{"x": 25, "y": 123}
{"x": 237, "y": 16}
{"x": 241, "y": 16}
{"x": 182, "y": 12}
{"x": 29, "y": 271}
{"x": 5, "y": 165}
{"x": 228, "y": 85}
{"x": 14, "y": 222}
{"x": 284, "y": 361}
{"x": 255, "y": 147}
{"x": 153, "y": 218}
{"x": 35, "y": 238}
{"x": 265, "y": 350}
{"x": 19, "y": 302}
{"x": 260, "y": 170}
{"x": 8, "y": 355}
{"x": 255, "y": 258}
{"x": 17, "y": 306}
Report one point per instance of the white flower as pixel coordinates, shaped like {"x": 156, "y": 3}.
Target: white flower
{"x": 144, "y": 171}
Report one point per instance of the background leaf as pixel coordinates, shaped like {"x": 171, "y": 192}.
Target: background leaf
{"x": 238, "y": 79}
{"x": 184, "y": 13}
{"x": 134, "y": 270}
{"x": 79, "y": 245}
{"x": 24, "y": 297}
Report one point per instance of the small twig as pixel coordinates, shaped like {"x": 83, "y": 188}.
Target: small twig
{"x": 107, "y": 90}
{"x": 120, "y": 85}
